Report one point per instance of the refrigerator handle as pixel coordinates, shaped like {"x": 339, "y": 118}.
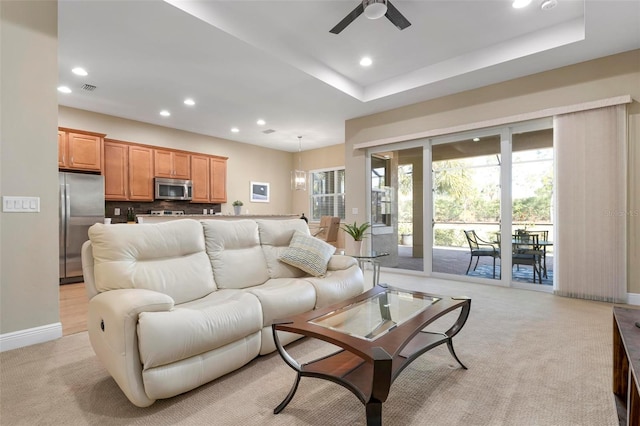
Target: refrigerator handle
{"x": 67, "y": 213}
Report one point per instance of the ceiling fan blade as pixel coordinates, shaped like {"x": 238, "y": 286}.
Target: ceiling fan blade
{"x": 396, "y": 17}
{"x": 348, "y": 19}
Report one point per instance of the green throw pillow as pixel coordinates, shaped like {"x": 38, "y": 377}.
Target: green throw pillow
{"x": 308, "y": 253}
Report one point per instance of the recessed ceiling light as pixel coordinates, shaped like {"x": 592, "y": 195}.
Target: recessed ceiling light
{"x": 64, "y": 89}
{"x": 165, "y": 113}
{"x": 476, "y": 139}
{"x": 189, "y": 102}
{"x": 519, "y": 4}
{"x": 548, "y": 4}
{"x": 79, "y": 71}
{"x": 235, "y": 129}
{"x": 366, "y": 61}
{"x": 261, "y": 122}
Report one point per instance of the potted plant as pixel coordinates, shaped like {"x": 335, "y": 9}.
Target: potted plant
{"x": 237, "y": 207}
{"x": 357, "y": 232}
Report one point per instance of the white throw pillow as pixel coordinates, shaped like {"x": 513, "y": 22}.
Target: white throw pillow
{"x": 308, "y": 253}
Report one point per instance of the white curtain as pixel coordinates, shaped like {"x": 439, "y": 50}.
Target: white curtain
{"x": 591, "y": 204}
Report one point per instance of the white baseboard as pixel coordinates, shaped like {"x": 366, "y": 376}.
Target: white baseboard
{"x": 633, "y": 298}
{"x": 30, "y": 336}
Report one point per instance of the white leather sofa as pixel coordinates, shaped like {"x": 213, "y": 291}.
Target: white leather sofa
{"x": 177, "y": 304}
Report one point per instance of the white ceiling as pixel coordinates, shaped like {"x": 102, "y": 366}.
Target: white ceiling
{"x": 276, "y": 60}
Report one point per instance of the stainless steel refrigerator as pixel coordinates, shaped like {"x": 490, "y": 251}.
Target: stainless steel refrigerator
{"x": 81, "y": 205}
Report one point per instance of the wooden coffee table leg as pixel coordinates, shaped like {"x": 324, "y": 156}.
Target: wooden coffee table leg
{"x": 374, "y": 413}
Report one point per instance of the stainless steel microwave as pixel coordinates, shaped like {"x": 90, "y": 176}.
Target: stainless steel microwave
{"x": 173, "y": 189}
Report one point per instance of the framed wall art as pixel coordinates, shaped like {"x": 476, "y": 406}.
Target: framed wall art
{"x": 259, "y": 192}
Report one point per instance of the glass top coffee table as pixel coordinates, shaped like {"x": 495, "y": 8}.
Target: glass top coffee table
{"x": 380, "y": 333}
{"x": 372, "y": 258}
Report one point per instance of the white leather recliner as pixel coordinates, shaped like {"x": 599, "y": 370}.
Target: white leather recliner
{"x": 177, "y": 304}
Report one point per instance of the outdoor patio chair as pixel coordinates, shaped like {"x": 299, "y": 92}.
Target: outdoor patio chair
{"x": 527, "y": 251}
{"x": 479, "y": 248}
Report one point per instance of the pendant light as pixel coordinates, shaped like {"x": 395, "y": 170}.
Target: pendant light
{"x": 299, "y": 176}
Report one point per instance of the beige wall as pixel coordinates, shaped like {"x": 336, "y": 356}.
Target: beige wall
{"x": 28, "y": 163}
{"x": 598, "y": 79}
{"x": 246, "y": 162}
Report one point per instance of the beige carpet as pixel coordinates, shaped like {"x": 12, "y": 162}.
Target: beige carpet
{"x": 533, "y": 358}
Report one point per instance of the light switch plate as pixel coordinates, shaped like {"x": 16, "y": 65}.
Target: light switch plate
{"x": 20, "y": 204}
{"x": 354, "y": 210}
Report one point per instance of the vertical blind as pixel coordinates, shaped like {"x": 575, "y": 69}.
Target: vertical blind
{"x": 591, "y": 202}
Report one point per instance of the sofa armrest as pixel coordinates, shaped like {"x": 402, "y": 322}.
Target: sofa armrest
{"x": 339, "y": 262}
{"x": 112, "y": 326}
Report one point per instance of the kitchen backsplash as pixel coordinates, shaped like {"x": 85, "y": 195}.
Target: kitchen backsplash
{"x": 146, "y": 207}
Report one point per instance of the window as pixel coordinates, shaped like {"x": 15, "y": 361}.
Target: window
{"x": 327, "y": 193}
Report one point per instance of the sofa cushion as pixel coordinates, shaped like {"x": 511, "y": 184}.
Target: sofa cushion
{"x": 167, "y": 257}
{"x": 234, "y": 250}
{"x": 275, "y": 236}
{"x": 308, "y": 254}
{"x": 284, "y": 297}
{"x": 337, "y": 285}
{"x": 196, "y": 327}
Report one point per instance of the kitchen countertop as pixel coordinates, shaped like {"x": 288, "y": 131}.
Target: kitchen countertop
{"x": 150, "y": 218}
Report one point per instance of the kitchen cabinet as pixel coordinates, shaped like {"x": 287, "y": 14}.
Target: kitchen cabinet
{"x": 200, "y": 178}
{"x": 116, "y": 183}
{"x": 140, "y": 173}
{"x": 79, "y": 150}
{"x": 128, "y": 171}
{"x": 218, "y": 180}
{"x": 172, "y": 164}
{"x": 209, "y": 177}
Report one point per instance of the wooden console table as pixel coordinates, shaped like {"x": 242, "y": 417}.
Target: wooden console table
{"x": 626, "y": 364}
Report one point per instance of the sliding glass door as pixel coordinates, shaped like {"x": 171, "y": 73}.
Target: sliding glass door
{"x": 532, "y": 207}
{"x": 466, "y": 206}
{"x": 461, "y": 219}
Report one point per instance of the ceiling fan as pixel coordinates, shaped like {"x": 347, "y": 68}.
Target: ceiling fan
{"x": 374, "y": 9}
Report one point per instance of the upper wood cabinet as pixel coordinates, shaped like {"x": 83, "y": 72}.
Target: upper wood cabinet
{"x": 79, "y": 150}
{"x": 218, "y": 180}
{"x": 209, "y": 177}
{"x": 116, "y": 176}
{"x": 140, "y": 173}
{"x": 200, "y": 178}
{"x": 172, "y": 164}
{"x": 128, "y": 172}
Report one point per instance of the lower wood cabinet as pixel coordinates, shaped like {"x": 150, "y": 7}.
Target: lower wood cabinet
{"x": 128, "y": 172}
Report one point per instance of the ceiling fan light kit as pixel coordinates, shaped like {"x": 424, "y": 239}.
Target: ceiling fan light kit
{"x": 375, "y": 9}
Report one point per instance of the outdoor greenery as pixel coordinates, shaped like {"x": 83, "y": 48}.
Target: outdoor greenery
{"x": 467, "y": 191}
